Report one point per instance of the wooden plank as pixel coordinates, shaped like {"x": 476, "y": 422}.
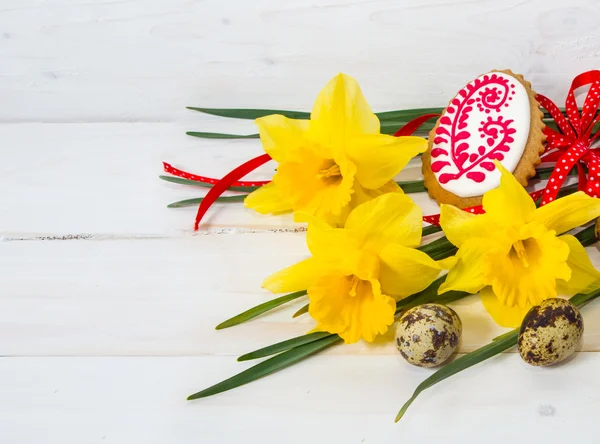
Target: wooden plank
{"x": 67, "y": 179}
{"x": 338, "y": 399}
{"x": 164, "y": 297}
{"x": 144, "y": 60}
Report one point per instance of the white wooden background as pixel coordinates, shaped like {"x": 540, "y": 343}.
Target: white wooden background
{"x": 108, "y": 300}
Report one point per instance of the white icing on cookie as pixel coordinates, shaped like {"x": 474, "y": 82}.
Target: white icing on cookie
{"x": 488, "y": 120}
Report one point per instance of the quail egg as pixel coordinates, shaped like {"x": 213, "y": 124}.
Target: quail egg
{"x": 428, "y": 334}
{"x": 550, "y": 332}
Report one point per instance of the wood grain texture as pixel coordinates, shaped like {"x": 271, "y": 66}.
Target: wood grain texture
{"x": 163, "y": 297}
{"x": 108, "y": 300}
{"x": 346, "y": 399}
{"x": 144, "y": 60}
{"x": 103, "y": 179}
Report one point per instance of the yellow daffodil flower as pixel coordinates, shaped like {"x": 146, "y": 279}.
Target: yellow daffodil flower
{"x": 357, "y": 272}
{"x": 513, "y": 253}
{"x": 333, "y": 162}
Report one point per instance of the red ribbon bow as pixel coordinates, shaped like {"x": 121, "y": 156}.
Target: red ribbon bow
{"x": 572, "y": 147}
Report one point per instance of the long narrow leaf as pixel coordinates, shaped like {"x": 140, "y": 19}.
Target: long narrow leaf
{"x": 195, "y": 183}
{"x": 251, "y": 114}
{"x": 284, "y": 345}
{"x": 243, "y": 113}
{"x": 196, "y": 201}
{"x": 302, "y": 311}
{"x": 462, "y": 363}
{"x": 260, "y": 309}
{"x": 431, "y": 229}
{"x": 269, "y": 366}
{"x": 205, "y": 135}
{"x": 498, "y": 345}
{"x": 415, "y": 186}
{"x": 439, "y": 249}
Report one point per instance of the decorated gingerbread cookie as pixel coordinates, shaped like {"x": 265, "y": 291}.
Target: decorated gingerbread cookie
{"x": 495, "y": 117}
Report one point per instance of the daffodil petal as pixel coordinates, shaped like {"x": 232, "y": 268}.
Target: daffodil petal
{"x": 568, "y": 212}
{"x": 509, "y": 204}
{"x": 379, "y": 157}
{"x": 503, "y": 315}
{"x": 392, "y": 218}
{"x": 341, "y": 110}
{"x": 281, "y": 136}
{"x": 268, "y": 199}
{"x": 366, "y": 314}
{"x": 584, "y": 276}
{"x": 406, "y": 271}
{"x": 297, "y": 277}
{"x": 468, "y": 273}
{"x": 459, "y": 226}
{"x": 362, "y": 194}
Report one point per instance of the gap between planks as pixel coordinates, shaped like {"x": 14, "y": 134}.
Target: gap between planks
{"x": 109, "y": 237}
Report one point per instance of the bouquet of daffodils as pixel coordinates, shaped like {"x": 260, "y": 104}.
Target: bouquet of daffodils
{"x": 371, "y": 264}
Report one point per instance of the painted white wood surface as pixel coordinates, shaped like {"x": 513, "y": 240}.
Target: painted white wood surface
{"x": 108, "y": 300}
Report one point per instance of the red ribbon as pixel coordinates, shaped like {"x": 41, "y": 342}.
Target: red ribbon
{"x": 571, "y": 147}
{"x": 180, "y": 173}
{"x": 228, "y": 180}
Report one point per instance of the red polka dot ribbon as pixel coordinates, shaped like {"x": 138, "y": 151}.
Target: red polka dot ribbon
{"x": 571, "y": 147}
{"x": 185, "y": 175}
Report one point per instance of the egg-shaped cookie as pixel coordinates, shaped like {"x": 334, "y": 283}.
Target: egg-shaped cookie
{"x": 496, "y": 117}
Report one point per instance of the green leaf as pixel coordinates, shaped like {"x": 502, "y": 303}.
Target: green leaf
{"x": 246, "y": 113}
{"x": 392, "y": 126}
{"x": 498, "y": 345}
{"x": 462, "y": 363}
{"x": 415, "y": 186}
{"x": 285, "y": 345}
{"x": 300, "y": 312}
{"x": 196, "y": 183}
{"x": 587, "y": 236}
{"x": 269, "y": 366}
{"x": 407, "y": 114}
{"x": 252, "y": 114}
{"x": 249, "y": 113}
{"x": 544, "y": 173}
{"x": 196, "y": 201}
{"x": 205, "y": 135}
{"x": 438, "y": 249}
{"x": 429, "y": 295}
{"x": 431, "y": 229}
{"x": 260, "y": 309}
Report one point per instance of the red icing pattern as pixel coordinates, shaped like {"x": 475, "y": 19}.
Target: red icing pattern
{"x": 489, "y": 93}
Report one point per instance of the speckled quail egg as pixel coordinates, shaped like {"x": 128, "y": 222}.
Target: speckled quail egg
{"x": 550, "y": 332}
{"x": 428, "y": 334}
